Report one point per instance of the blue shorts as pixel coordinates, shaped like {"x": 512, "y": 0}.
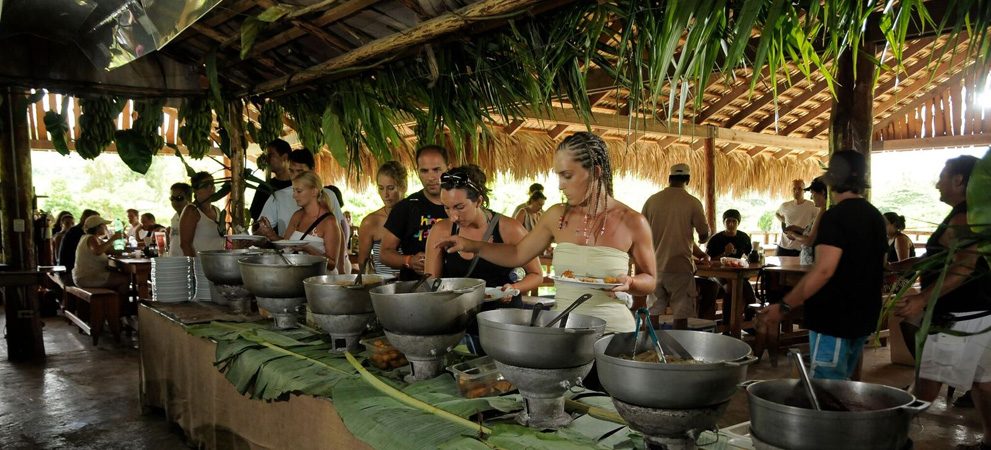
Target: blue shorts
{"x": 834, "y": 358}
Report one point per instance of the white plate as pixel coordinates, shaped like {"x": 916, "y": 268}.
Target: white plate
{"x": 289, "y": 243}
{"x": 245, "y": 237}
{"x": 495, "y": 293}
{"x": 598, "y": 284}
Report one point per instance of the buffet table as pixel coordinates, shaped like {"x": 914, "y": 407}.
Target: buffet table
{"x": 177, "y": 374}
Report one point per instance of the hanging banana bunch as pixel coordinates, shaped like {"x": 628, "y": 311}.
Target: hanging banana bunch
{"x": 270, "y": 120}
{"x": 197, "y": 124}
{"x": 97, "y": 126}
{"x": 150, "y": 117}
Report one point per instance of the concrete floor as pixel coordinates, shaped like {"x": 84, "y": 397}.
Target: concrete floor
{"x": 86, "y": 397}
{"x": 82, "y": 397}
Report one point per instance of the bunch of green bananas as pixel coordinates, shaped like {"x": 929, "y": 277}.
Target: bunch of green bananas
{"x": 97, "y": 124}
{"x": 270, "y": 120}
{"x": 196, "y": 127}
{"x": 150, "y": 118}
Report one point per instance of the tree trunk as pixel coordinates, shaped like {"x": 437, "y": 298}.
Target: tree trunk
{"x": 851, "y": 119}
{"x": 237, "y": 163}
{"x": 24, "y": 340}
{"x": 710, "y": 184}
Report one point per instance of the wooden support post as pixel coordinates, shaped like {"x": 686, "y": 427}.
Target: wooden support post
{"x": 24, "y": 340}
{"x": 237, "y": 163}
{"x": 852, "y": 116}
{"x": 710, "y": 183}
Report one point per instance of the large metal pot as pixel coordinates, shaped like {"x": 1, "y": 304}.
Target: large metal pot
{"x": 673, "y": 386}
{"x": 268, "y": 276}
{"x": 447, "y": 310}
{"x": 220, "y": 266}
{"x": 780, "y": 415}
{"x": 507, "y": 336}
{"x": 337, "y": 294}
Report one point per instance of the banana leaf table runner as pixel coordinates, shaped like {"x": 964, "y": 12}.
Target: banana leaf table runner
{"x": 385, "y": 413}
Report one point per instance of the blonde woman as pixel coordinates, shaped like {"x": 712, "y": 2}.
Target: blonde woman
{"x": 391, "y": 182}
{"x": 311, "y": 222}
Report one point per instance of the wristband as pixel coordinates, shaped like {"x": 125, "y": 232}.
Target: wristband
{"x": 784, "y": 307}
{"x": 408, "y": 258}
{"x": 514, "y": 287}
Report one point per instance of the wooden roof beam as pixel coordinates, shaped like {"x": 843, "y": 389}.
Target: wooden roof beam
{"x": 557, "y": 131}
{"x": 311, "y": 29}
{"x": 420, "y": 34}
{"x": 621, "y": 123}
{"x": 781, "y": 153}
{"x": 330, "y": 16}
{"x": 910, "y": 106}
{"x": 219, "y": 37}
{"x": 755, "y": 151}
{"x": 783, "y": 86}
{"x": 726, "y": 99}
{"x": 975, "y": 140}
{"x": 513, "y": 127}
{"x": 729, "y": 147}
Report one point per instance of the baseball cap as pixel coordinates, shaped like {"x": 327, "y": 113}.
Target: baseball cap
{"x": 817, "y": 185}
{"x": 680, "y": 169}
{"x": 94, "y": 221}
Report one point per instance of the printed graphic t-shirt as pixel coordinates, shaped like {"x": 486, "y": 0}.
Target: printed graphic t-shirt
{"x": 410, "y": 221}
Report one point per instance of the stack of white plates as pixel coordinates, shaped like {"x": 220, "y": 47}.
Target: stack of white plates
{"x": 171, "y": 279}
{"x": 202, "y": 284}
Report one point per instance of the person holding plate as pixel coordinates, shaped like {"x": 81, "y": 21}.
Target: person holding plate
{"x": 596, "y": 236}
{"x": 310, "y": 223}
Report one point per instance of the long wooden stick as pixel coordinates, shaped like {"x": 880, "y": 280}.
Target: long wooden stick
{"x": 419, "y": 34}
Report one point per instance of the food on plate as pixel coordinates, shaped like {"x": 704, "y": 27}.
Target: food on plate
{"x": 568, "y": 274}
{"x": 610, "y": 280}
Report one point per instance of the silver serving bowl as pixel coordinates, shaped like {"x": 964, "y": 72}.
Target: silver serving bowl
{"x": 879, "y": 416}
{"x": 220, "y": 266}
{"x": 507, "y": 336}
{"x": 337, "y": 294}
{"x": 267, "y": 275}
{"x": 686, "y": 386}
{"x": 445, "y": 311}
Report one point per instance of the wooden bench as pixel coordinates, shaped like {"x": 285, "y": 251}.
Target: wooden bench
{"x": 94, "y": 306}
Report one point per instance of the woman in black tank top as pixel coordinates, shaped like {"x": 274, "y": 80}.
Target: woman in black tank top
{"x": 464, "y": 195}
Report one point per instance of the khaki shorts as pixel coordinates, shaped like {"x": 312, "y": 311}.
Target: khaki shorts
{"x": 678, "y": 291}
{"x": 959, "y": 361}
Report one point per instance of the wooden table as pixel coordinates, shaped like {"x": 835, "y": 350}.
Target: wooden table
{"x": 737, "y": 276}
{"x": 140, "y": 271}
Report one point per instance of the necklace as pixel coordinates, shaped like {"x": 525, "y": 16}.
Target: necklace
{"x": 587, "y": 230}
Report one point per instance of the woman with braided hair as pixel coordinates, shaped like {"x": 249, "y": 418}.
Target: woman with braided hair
{"x": 596, "y": 235}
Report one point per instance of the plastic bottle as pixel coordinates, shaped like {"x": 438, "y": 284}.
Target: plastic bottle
{"x": 119, "y": 242}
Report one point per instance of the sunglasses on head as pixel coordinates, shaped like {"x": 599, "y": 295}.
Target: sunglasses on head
{"x": 177, "y": 198}
{"x": 458, "y": 180}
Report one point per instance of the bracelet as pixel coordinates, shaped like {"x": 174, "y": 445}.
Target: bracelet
{"x": 408, "y": 258}
{"x": 514, "y": 287}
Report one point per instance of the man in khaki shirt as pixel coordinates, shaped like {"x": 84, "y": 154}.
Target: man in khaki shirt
{"x": 673, "y": 214}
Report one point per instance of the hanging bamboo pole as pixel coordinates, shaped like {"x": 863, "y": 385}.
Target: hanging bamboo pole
{"x": 24, "y": 339}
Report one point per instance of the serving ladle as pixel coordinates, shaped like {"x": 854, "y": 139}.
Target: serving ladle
{"x": 563, "y": 317}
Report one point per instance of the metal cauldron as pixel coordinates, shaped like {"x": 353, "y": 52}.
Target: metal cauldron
{"x": 337, "y": 294}
{"x": 267, "y": 275}
{"x": 780, "y": 415}
{"x": 445, "y": 311}
{"x": 673, "y": 386}
{"x": 220, "y": 266}
{"x": 507, "y": 336}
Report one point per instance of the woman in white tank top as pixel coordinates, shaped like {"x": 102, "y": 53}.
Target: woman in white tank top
{"x": 314, "y": 222}
{"x": 198, "y": 227}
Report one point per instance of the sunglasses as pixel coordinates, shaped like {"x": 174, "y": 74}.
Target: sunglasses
{"x": 177, "y": 198}
{"x": 458, "y": 180}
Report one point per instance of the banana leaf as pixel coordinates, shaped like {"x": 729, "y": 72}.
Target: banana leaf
{"x": 386, "y": 423}
{"x": 979, "y": 200}
{"x": 133, "y": 149}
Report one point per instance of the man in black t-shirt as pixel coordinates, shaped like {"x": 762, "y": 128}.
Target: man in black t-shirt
{"x": 277, "y": 153}
{"x": 842, "y": 291}
{"x": 410, "y": 221}
{"x": 730, "y": 243}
